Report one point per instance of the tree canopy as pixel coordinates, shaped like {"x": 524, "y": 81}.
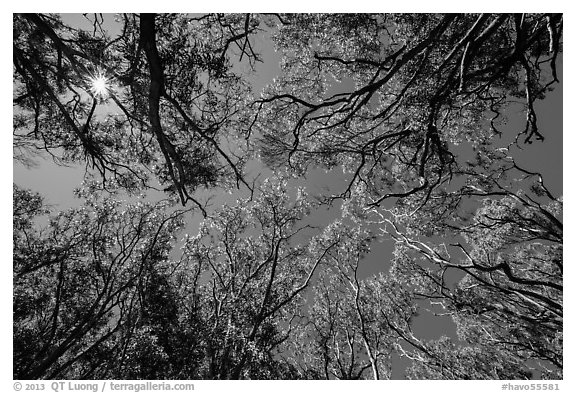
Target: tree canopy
{"x": 423, "y": 118}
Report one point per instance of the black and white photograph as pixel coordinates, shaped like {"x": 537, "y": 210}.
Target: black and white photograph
{"x": 287, "y": 196}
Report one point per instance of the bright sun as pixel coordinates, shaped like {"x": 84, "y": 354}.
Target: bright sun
{"x": 99, "y": 85}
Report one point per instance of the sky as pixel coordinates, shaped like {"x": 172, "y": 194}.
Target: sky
{"x": 56, "y": 182}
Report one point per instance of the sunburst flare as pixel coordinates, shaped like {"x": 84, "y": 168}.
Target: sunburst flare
{"x": 99, "y": 85}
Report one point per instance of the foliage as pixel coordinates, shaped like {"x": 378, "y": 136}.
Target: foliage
{"x": 352, "y": 324}
{"x": 79, "y": 280}
{"x": 174, "y": 99}
{"x": 413, "y": 108}
{"x": 421, "y": 85}
{"x": 249, "y": 275}
{"x": 509, "y": 301}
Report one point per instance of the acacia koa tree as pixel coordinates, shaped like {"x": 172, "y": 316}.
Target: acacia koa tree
{"x": 416, "y": 87}
{"x": 80, "y": 281}
{"x": 413, "y": 109}
{"x": 351, "y": 328}
{"x": 248, "y": 273}
{"x": 168, "y": 87}
{"x": 508, "y": 300}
